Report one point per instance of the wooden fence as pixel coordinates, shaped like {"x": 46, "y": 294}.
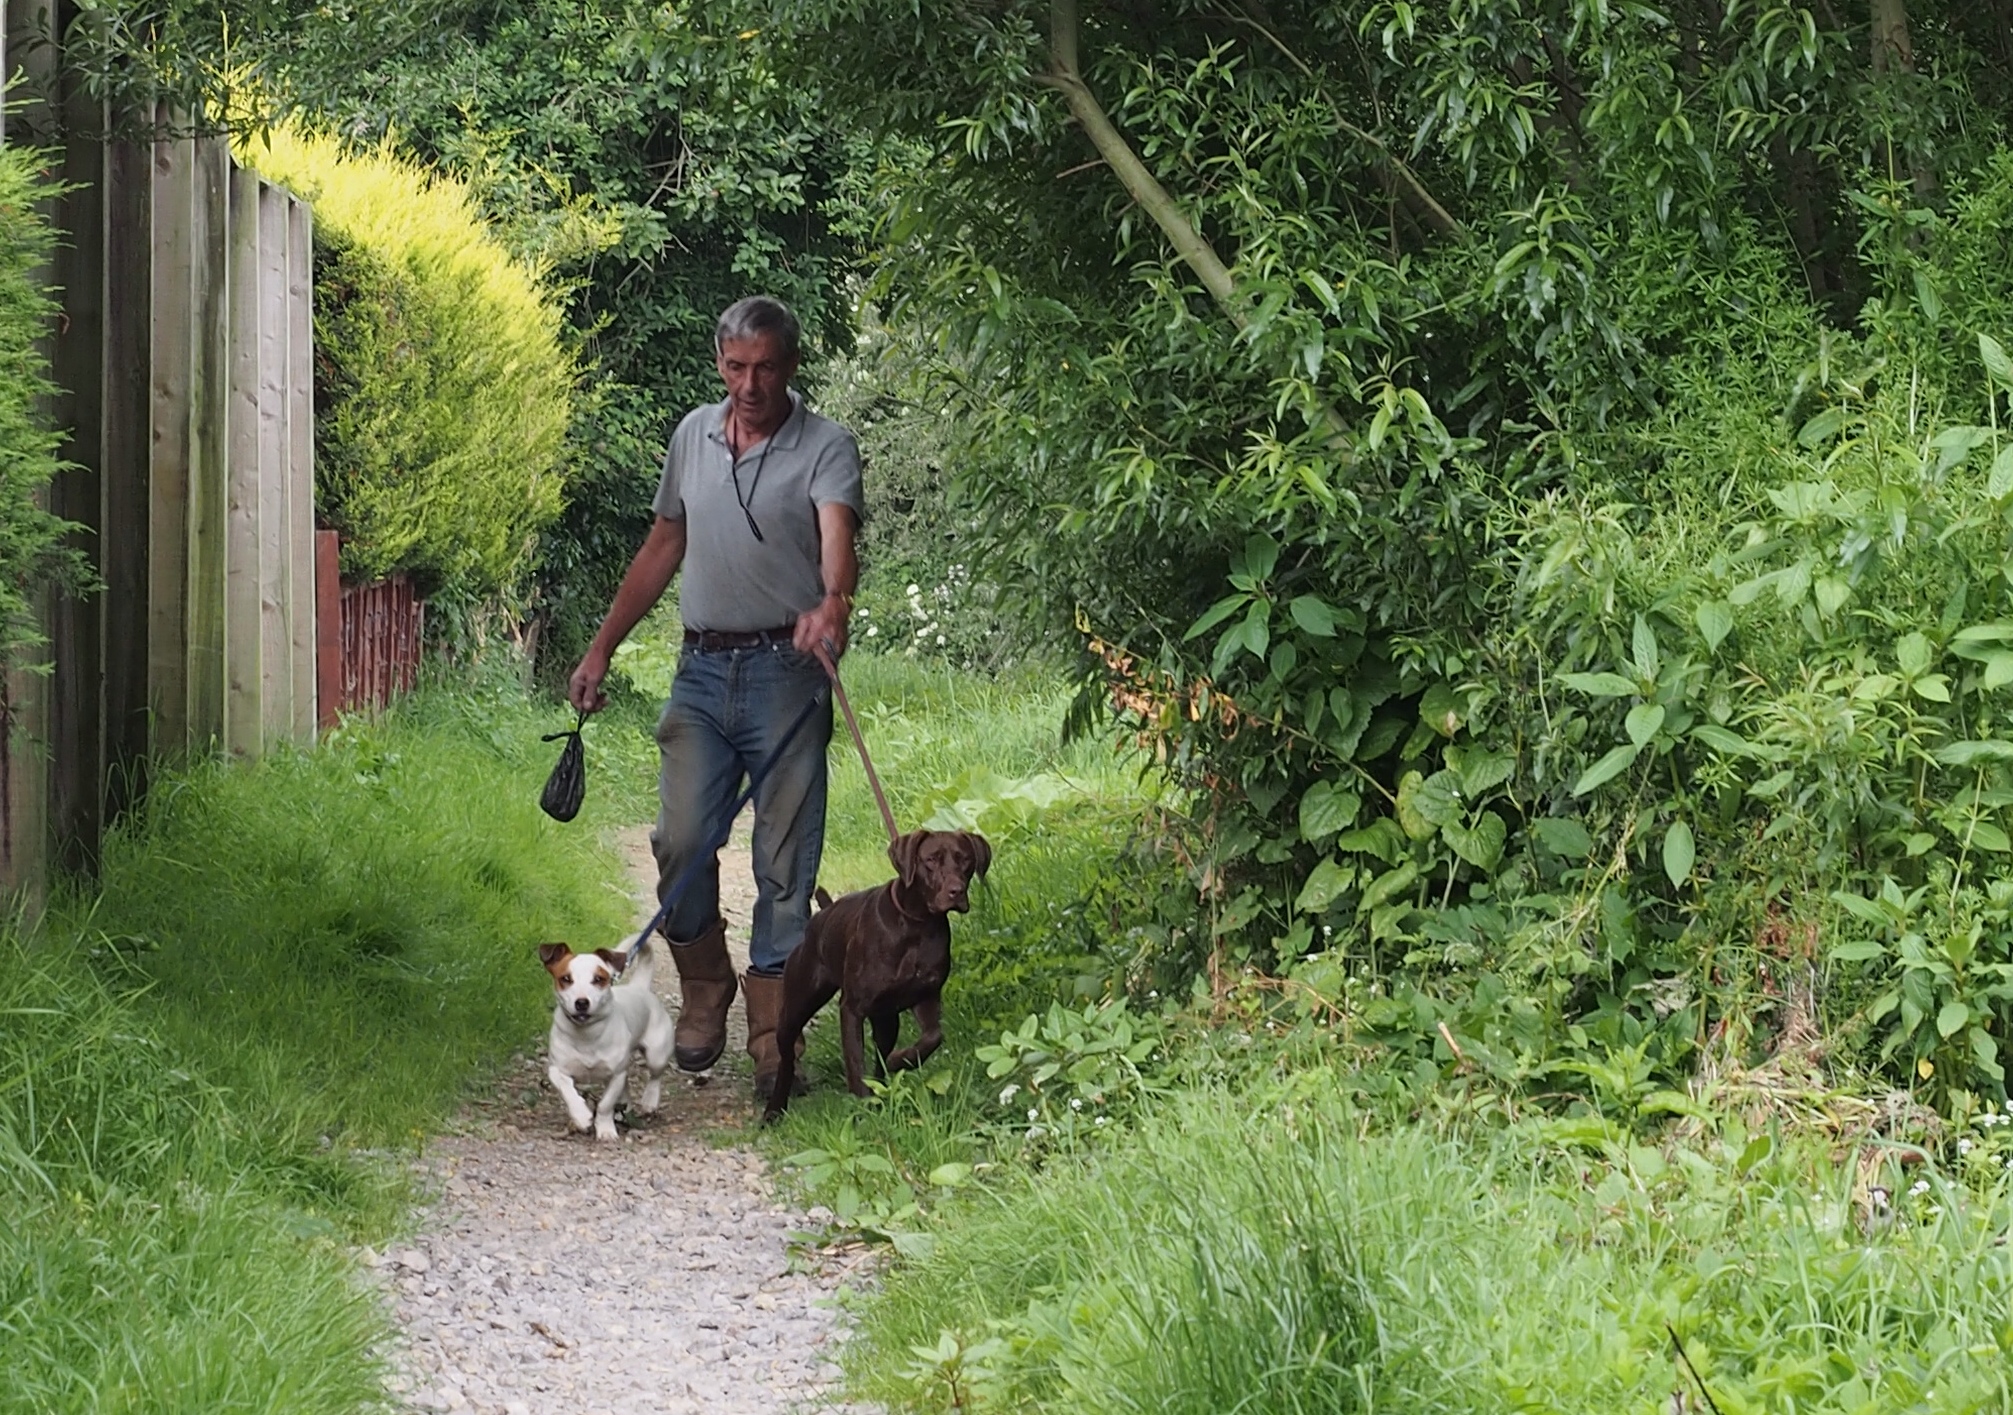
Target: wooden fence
{"x": 184, "y": 356}
{"x": 369, "y": 637}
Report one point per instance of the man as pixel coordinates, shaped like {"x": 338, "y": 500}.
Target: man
{"x": 759, "y": 504}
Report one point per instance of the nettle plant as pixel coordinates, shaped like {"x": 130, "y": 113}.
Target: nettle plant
{"x": 1733, "y": 753}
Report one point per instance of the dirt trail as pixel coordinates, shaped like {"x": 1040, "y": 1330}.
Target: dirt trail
{"x": 554, "y": 1274}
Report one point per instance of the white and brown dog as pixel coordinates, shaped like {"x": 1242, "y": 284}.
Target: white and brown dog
{"x": 598, "y": 1025}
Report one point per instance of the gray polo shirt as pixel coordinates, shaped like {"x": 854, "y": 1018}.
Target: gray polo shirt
{"x": 732, "y": 582}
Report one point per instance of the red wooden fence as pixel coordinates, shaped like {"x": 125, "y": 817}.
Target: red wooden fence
{"x": 367, "y": 637}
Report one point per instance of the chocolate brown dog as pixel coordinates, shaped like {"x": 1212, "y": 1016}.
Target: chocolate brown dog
{"x": 886, "y": 950}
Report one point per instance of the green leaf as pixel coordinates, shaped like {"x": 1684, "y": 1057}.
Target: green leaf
{"x": 1327, "y": 807}
{"x": 950, "y": 1176}
{"x": 1216, "y": 614}
{"x": 1987, "y": 836}
{"x": 1323, "y": 883}
{"x": 1440, "y": 709}
{"x": 1643, "y": 722}
{"x": 1831, "y": 593}
{"x": 1950, "y": 1019}
{"x": 1931, "y": 687}
{"x": 1479, "y": 770}
{"x": 1617, "y": 761}
{"x": 1823, "y": 427}
{"x": 1996, "y": 363}
{"x": 1257, "y": 629}
{"x": 1723, "y": 740}
{"x": 1565, "y": 838}
{"x": 1434, "y": 799}
{"x": 1600, "y": 685}
{"x": 1644, "y": 641}
{"x": 1382, "y": 838}
{"x": 1971, "y": 753}
{"x": 1388, "y": 886}
{"x": 1714, "y": 618}
{"x": 1999, "y": 481}
{"x": 1857, "y": 951}
{"x": 1680, "y": 852}
{"x": 1913, "y": 653}
{"x": 1314, "y": 616}
{"x": 1998, "y": 669}
{"x": 1261, "y": 555}
{"x": 1481, "y": 844}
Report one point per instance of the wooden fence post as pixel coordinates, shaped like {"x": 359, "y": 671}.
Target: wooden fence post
{"x": 276, "y": 675}
{"x": 169, "y": 531}
{"x": 126, "y": 449}
{"x": 209, "y": 439}
{"x": 243, "y": 721}
{"x": 302, "y": 600}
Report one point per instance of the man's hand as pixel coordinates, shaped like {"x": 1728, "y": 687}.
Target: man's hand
{"x": 584, "y": 689}
{"x": 825, "y": 623}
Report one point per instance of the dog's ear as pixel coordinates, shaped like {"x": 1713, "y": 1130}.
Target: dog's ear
{"x": 823, "y": 896}
{"x": 554, "y": 956}
{"x": 616, "y": 961}
{"x": 904, "y": 852}
{"x": 982, "y": 853}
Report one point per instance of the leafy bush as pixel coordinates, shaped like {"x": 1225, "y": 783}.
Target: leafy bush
{"x": 32, "y": 553}
{"x": 443, "y": 391}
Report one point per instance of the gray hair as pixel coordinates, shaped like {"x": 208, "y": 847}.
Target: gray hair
{"x": 757, "y": 315}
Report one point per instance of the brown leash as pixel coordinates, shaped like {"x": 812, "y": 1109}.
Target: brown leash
{"x": 824, "y": 652}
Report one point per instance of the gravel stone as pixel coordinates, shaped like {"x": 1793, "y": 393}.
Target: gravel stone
{"x": 553, "y": 1273}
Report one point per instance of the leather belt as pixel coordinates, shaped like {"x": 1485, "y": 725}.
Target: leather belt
{"x": 713, "y": 641}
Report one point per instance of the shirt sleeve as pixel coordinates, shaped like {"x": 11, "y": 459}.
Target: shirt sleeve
{"x": 670, "y": 499}
{"x": 836, "y": 478}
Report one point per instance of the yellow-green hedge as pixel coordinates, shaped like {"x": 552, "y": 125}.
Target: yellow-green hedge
{"x": 443, "y": 389}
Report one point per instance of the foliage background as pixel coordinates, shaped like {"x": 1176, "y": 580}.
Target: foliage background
{"x": 443, "y": 391}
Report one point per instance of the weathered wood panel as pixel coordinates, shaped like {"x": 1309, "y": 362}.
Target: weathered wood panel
{"x": 209, "y": 439}
{"x": 276, "y": 674}
{"x": 126, "y": 441}
{"x": 172, "y": 425}
{"x": 244, "y": 726}
{"x": 301, "y": 557}
{"x": 76, "y": 638}
{"x": 328, "y": 627}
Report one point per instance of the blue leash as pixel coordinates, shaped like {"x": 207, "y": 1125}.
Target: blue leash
{"x": 699, "y": 861}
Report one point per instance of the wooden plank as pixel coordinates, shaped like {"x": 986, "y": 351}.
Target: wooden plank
{"x": 209, "y": 437}
{"x": 328, "y": 628}
{"x": 244, "y": 733}
{"x": 128, "y": 411}
{"x": 276, "y": 685}
{"x": 300, "y": 383}
{"x": 77, "y": 739}
{"x": 172, "y": 419}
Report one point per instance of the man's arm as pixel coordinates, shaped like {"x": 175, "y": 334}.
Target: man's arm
{"x": 839, "y": 564}
{"x": 642, "y": 586}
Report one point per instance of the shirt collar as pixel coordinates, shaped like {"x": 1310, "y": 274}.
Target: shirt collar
{"x": 789, "y": 435}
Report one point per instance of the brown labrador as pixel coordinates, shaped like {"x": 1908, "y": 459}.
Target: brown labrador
{"x": 886, "y": 951}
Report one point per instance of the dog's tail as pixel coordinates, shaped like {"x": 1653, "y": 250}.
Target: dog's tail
{"x": 641, "y": 969}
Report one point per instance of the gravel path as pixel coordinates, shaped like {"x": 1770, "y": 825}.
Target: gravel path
{"x": 555, "y": 1274}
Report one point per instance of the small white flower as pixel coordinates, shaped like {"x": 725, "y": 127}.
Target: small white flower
{"x": 1076, "y": 1102}
{"x": 1104, "y": 1120}
{"x": 1009, "y": 1093}
{"x": 1034, "y": 1110}
{"x": 1963, "y": 1147}
{"x": 861, "y": 613}
{"x": 915, "y": 589}
{"x": 940, "y": 640}
{"x": 873, "y": 629}
{"x": 1919, "y": 1188}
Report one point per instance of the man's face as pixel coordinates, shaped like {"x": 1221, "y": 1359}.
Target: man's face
{"x": 757, "y": 373}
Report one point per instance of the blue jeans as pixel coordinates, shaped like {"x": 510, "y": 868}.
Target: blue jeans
{"x": 728, "y": 710}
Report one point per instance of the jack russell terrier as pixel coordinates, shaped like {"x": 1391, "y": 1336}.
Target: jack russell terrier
{"x": 598, "y": 1025}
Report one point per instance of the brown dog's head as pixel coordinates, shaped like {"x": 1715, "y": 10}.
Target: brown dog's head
{"x": 938, "y": 865}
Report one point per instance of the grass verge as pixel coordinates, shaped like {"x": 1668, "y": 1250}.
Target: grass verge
{"x": 288, "y": 974}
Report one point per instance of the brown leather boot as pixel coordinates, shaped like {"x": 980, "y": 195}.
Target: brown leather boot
{"x": 765, "y": 1010}
{"x": 705, "y": 990}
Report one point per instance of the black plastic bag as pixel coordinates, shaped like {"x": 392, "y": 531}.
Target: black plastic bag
{"x": 566, "y": 788}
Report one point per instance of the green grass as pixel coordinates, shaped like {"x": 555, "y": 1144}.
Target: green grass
{"x": 1264, "y": 1250}
{"x": 209, "y": 1065}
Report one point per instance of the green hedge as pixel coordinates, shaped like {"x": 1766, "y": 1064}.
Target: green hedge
{"x": 31, "y": 549}
{"x": 443, "y": 390}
